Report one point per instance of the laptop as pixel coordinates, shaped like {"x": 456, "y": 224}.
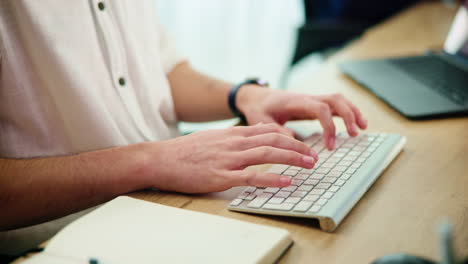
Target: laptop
{"x": 422, "y": 87}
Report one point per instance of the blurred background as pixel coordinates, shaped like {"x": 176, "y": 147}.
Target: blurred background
{"x": 235, "y": 39}
{"x": 279, "y": 41}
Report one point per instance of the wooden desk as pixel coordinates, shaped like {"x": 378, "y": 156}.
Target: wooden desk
{"x": 425, "y": 184}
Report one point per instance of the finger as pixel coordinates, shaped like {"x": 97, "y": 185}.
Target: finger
{"x": 278, "y": 141}
{"x": 258, "y": 179}
{"x": 258, "y": 129}
{"x": 325, "y": 117}
{"x": 267, "y": 154}
{"x": 360, "y": 120}
{"x": 342, "y": 109}
{"x": 283, "y": 130}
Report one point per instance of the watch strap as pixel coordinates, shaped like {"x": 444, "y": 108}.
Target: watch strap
{"x": 233, "y": 95}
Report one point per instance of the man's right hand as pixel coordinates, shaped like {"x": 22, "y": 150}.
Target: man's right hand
{"x": 214, "y": 160}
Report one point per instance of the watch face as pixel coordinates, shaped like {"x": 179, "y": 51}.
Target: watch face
{"x": 258, "y": 81}
{"x": 262, "y": 82}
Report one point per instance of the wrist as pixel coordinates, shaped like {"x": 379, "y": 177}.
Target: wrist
{"x": 249, "y": 96}
{"x": 140, "y": 166}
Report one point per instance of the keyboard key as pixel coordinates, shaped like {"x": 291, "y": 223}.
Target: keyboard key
{"x": 366, "y": 154}
{"x": 334, "y": 174}
{"x": 295, "y": 168}
{"x": 323, "y": 185}
{"x": 317, "y": 176}
{"x": 276, "y": 200}
{"x": 306, "y": 188}
{"x": 317, "y": 147}
{"x": 349, "y": 158}
{"x": 290, "y": 188}
{"x": 293, "y": 200}
{"x": 317, "y": 191}
{"x": 328, "y": 165}
{"x": 243, "y": 195}
{"x": 296, "y": 182}
{"x": 271, "y": 190}
{"x": 311, "y": 182}
{"x": 340, "y": 168}
{"x": 311, "y": 197}
{"x": 259, "y": 191}
{"x": 260, "y": 200}
{"x": 380, "y": 140}
{"x": 323, "y": 170}
{"x": 290, "y": 172}
{"x": 345, "y": 163}
{"x": 340, "y": 182}
{"x": 315, "y": 209}
{"x": 333, "y": 159}
{"x": 278, "y": 168}
{"x": 236, "y": 202}
{"x": 302, "y": 206}
{"x": 328, "y": 195}
{"x": 299, "y": 194}
{"x": 321, "y": 201}
{"x": 338, "y": 155}
{"x": 345, "y": 176}
{"x": 307, "y": 171}
{"x": 329, "y": 179}
{"x": 250, "y": 197}
{"x": 333, "y": 189}
{"x": 361, "y": 160}
{"x": 250, "y": 189}
{"x": 343, "y": 150}
{"x": 301, "y": 176}
{"x": 281, "y": 207}
{"x": 282, "y": 194}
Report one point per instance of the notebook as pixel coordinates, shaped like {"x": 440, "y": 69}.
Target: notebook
{"x": 127, "y": 230}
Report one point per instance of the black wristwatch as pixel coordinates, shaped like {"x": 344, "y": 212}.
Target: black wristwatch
{"x": 233, "y": 94}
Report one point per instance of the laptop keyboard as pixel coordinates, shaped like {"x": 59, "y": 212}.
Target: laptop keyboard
{"x": 437, "y": 74}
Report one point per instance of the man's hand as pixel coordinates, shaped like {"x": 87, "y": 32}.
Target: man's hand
{"x": 214, "y": 160}
{"x": 259, "y": 104}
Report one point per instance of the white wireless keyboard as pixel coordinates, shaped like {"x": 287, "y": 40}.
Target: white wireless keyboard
{"x": 329, "y": 190}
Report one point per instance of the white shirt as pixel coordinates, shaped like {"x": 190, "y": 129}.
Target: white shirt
{"x": 77, "y": 76}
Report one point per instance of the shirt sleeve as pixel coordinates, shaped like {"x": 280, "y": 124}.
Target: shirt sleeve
{"x": 170, "y": 55}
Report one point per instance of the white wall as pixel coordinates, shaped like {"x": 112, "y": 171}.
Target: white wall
{"x": 234, "y": 39}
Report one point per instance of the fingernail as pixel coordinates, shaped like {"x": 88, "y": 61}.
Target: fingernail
{"x": 313, "y": 154}
{"x": 364, "y": 122}
{"x": 308, "y": 159}
{"x": 331, "y": 142}
{"x": 285, "y": 181}
{"x": 354, "y": 128}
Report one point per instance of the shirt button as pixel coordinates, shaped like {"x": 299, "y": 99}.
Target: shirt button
{"x": 122, "y": 81}
{"x": 101, "y": 6}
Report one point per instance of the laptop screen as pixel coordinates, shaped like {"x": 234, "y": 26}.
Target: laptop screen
{"x": 457, "y": 39}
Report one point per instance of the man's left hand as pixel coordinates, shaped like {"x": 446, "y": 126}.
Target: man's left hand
{"x": 260, "y": 104}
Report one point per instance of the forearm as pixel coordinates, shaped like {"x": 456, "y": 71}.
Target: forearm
{"x": 38, "y": 190}
{"x": 198, "y": 97}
